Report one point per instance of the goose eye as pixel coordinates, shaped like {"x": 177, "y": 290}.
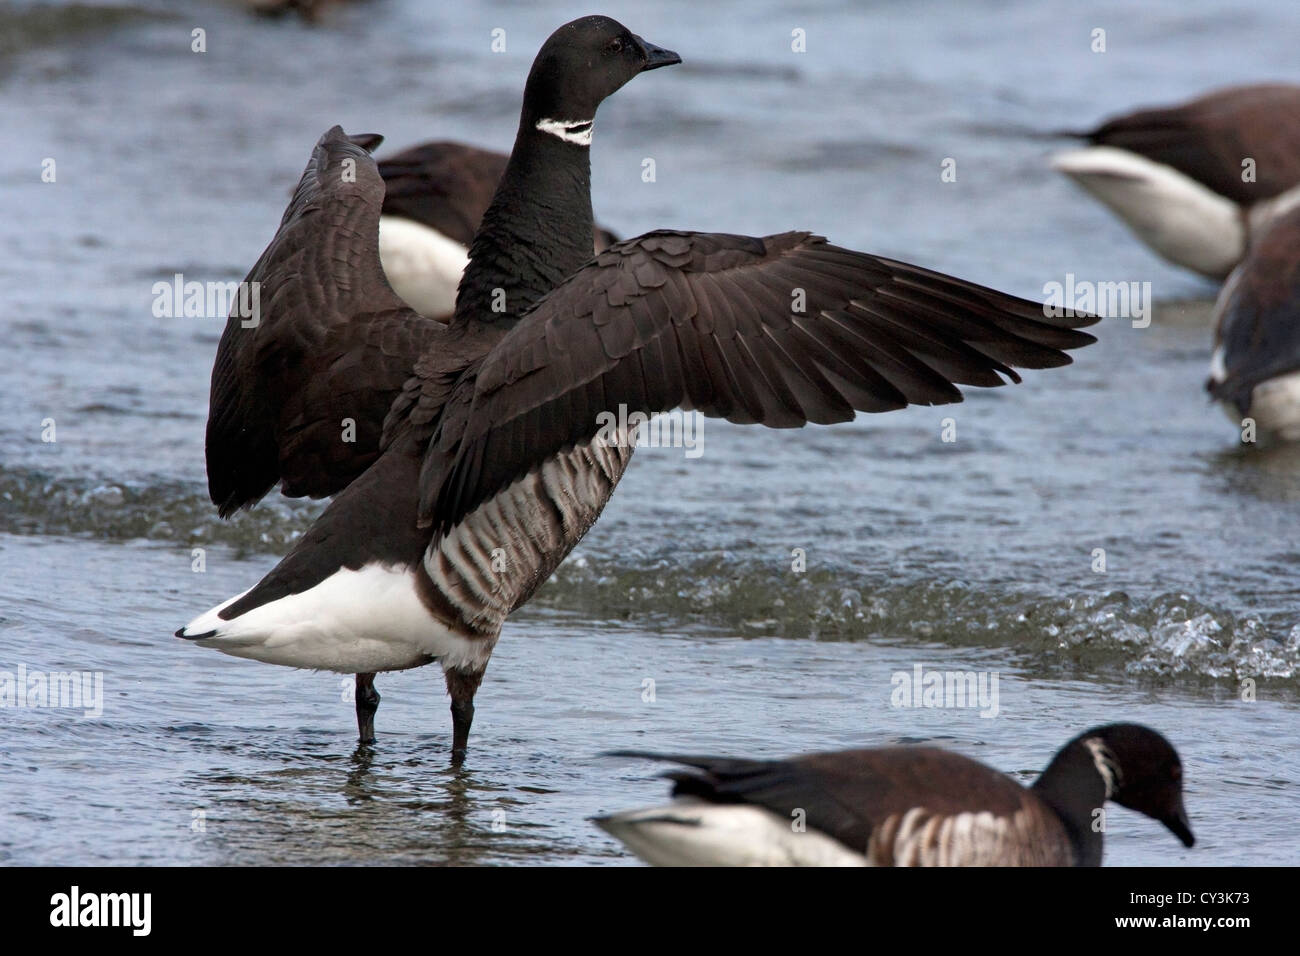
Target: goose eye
{"x": 614, "y": 46}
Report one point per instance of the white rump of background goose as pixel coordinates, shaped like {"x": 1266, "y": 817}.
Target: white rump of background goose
{"x": 1196, "y": 182}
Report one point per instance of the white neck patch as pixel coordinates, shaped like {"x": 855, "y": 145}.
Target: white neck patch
{"x": 1106, "y": 765}
{"x": 577, "y": 132}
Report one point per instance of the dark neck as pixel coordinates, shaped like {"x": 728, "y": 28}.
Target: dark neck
{"x": 536, "y": 232}
{"x": 1072, "y": 786}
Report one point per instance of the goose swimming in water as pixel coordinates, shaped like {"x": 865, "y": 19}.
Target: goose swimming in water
{"x": 905, "y": 806}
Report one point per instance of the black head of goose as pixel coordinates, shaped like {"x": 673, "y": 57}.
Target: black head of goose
{"x": 905, "y": 806}
{"x": 469, "y": 458}
{"x": 1255, "y": 368}
{"x": 538, "y": 228}
{"x": 435, "y": 195}
{"x": 1194, "y": 181}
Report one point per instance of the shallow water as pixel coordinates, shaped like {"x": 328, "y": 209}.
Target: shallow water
{"x": 971, "y": 555}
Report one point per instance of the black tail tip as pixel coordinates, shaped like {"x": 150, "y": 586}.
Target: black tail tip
{"x": 367, "y": 141}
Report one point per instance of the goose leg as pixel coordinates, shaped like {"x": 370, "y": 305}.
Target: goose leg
{"x": 462, "y": 685}
{"x": 367, "y": 704}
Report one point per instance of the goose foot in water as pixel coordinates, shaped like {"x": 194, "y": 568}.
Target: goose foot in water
{"x": 367, "y": 704}
{"x": 462, "y": 685}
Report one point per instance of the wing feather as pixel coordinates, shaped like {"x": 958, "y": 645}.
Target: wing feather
{"x": 332, "y": 344}
{"x": 780, "y": 331}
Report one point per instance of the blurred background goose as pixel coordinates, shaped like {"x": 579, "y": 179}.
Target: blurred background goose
{"x": 1196, "y": 181}
{"x": 1255, "y": 368}
{"x": 905, "y": 806}
{"x": 435, "y": 195}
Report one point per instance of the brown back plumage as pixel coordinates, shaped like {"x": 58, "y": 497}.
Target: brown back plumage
{"x": 922, "y": 806}
{"x": 1208, "y": 138}
{"x": 898, "y": 806}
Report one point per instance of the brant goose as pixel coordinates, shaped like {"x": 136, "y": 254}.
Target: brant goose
{"x": 1179, "y": 176}
{"x": 905, "y": 806}
{"x": 435, "y": 195}
{"x": 468, "y": 459}
{"x": 1255, "y": 370}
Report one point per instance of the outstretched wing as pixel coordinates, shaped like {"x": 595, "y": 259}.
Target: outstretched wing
{"x": 778, "y": 331}
{"x": 301, "y": 387}
{"x": 1209, "y": 138}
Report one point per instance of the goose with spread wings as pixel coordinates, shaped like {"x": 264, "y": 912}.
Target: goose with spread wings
{"x": 468, "y": 459}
